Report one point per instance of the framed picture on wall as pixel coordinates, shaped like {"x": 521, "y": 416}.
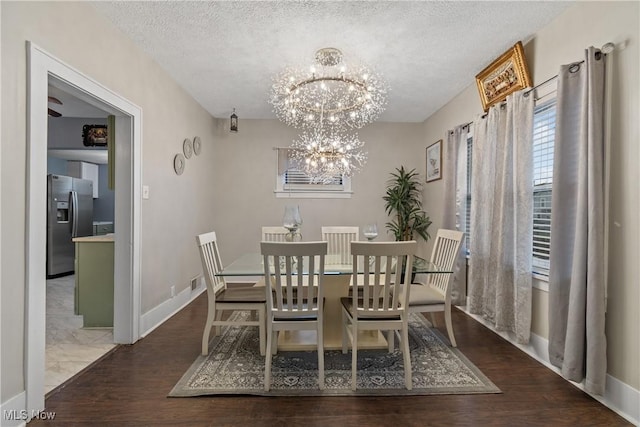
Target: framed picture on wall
{"x": 503, "y": 76}
{"x": 434, "y": 161}
{"x": 94, "y": 135}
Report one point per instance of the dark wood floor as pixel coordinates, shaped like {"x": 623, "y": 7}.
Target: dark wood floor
{"x": 129, "y": 387}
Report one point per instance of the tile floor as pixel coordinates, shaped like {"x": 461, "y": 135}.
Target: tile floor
{"x": 69, "y": 346}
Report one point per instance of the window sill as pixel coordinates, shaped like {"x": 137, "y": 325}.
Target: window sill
{"x": 297, "y": 194}
{"x": 540, "y": 282}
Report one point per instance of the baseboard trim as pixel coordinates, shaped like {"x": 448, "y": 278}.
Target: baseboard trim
{"x": 15, "y": 408}
{"x": 618, "y": 396}
{"x": 162, "y": 312}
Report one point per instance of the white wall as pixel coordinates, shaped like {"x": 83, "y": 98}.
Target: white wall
{"x": 561, "y": 42}
{"x": 178, "y": 206}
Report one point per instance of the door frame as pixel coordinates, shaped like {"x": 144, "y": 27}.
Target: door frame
{"x": 41, "y": 66}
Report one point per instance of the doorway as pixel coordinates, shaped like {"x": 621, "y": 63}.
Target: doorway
{"x": 45, "y": 69}
{"x": 74, "y": 158}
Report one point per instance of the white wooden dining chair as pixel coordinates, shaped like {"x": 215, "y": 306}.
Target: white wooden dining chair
{"x": 339, "y": 240}
{"x": 295, "y": 300}
{"x": 435, "y": 294}
{"x": 381, "y": 305}
{"x": 274, "y": 234}
{"x": 222, "y": 298}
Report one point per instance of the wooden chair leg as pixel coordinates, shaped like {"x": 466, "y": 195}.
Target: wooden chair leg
{"x": 407, "y": 357}
{"x": 447, "y": 321}
{"x": 391, "y": 340}
{"x": 218, "y": 328}
{"x": 261, "y": 329}
{"x": 205, "y": 336}
{"x": 345, "y": 333}
{"x": 320, "y": 356}
{"x": 354, "y": 354}
{"x": 432, "y": 317}
{"x": 267, "y": 362}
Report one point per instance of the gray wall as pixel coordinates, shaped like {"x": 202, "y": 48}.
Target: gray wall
{"x": 66, "y": 132}
{"x": 245, "y": 170}
{"x": 103, "y": 206}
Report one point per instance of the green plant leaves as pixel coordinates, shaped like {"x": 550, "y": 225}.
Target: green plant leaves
{"x": 403, "y": 201}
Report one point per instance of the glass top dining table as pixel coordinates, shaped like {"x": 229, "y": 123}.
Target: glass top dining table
{"x": 337, "y": 280}
{"x": 251, "y": 264}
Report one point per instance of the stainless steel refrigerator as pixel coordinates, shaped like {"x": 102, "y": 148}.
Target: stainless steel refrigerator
{"x": 69, "y": 215}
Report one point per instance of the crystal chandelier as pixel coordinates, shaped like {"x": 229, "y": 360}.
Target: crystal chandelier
{"x": 324, "y": 154}
{"x": 328, "y": 101}
{"x": 328, "y": 94}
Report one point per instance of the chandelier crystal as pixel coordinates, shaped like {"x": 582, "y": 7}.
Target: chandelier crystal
{"x": 328, "y": 94}
{"x": 324, "y": 155}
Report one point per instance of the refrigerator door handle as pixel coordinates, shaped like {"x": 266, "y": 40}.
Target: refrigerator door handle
{"x": 74, "y": 214}
{"x": 71, "y": 212}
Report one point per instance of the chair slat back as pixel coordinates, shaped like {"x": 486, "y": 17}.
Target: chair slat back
{"x": 339, "y": 240}
{"x": 211, "y": 261}
{"x": 295, "y": 271}
{"x": 274, "y": 234}
{"x": 382, "y": 291}
{"x": 445, "y": 251}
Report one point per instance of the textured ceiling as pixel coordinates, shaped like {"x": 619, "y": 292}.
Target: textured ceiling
{"x": 225, "y": 53}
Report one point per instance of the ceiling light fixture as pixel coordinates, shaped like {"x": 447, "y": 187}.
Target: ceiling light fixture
{"x": 233, "y": 124}
{"x": 325, "y": 156}
{"x": 328, "y": 100}
{"x": 329, "y": 92}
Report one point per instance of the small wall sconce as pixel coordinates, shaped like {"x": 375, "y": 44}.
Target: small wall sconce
{"x": 234, "y": 122}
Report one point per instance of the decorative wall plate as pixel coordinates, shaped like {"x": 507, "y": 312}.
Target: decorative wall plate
{"x": 187, "y": 148}
{"x": 197, "y": 145}
{"x": 178, "y": 163}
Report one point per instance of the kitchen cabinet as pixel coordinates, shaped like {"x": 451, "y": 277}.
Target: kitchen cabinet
{"x": 94, "y": 280}
{"x": 84, "y": 170}
{"x": 102, "y": 227}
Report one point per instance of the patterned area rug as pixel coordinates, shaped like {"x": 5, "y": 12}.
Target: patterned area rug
{"x": 234, "y": 366}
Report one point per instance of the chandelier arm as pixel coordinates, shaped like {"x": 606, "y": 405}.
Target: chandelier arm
{"x": 314, "y": 79}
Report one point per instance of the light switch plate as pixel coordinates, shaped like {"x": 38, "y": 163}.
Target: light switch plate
{"x": 145, "y": 192}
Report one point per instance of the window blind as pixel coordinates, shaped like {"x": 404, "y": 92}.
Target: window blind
{"x": 544, "y": 126}
{"x": 291, "y": 178}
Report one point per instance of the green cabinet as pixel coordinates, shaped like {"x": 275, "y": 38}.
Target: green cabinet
{"x": 94, "y": 280}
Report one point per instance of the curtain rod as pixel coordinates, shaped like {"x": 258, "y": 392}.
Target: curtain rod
{"x": 605, "y": 49}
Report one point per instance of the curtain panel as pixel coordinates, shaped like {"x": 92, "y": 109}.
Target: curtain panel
{"x": 577, "y": 284}
{"x": 455, "y": 203}
{"x": 500, "y": 276}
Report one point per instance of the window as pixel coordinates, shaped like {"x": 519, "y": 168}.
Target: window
{"x": 291, "y": 182}
{"x": 544, "y": 127}
{"x": 467, "y": 222}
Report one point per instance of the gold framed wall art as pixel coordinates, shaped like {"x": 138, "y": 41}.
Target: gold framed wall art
{"x": 503, "y": 76}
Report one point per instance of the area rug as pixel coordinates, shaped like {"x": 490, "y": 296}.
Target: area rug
{"x": 234, "y": 366}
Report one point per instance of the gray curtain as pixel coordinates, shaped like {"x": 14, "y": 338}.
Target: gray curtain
{"x": 502, "y": 216}
{"x": 454, "y": 171}
{"x": 577, "y": 342}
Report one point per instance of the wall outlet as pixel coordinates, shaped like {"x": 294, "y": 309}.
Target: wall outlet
{"x": 173, "y": 291}
{"x": 194, "y": 283}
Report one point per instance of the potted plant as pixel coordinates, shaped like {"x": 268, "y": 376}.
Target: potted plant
{"x": 403, "y": 202}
